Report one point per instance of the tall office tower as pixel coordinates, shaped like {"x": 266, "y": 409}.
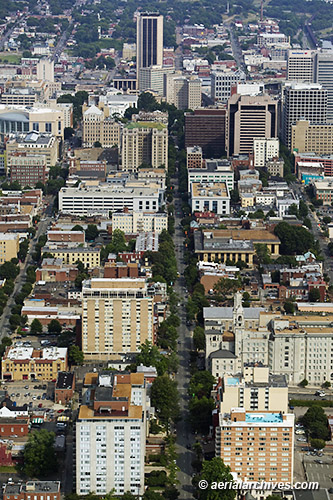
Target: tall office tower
{"x": 300, "y": 65}
{"x": 117, "y": 316}
{"x": 324, "y": 76}
{"x": 257, "y": 445}
{"x": 111, "y": 434}
{"x": 302, "y": 101}
{"x": 144, "y": 142}
{"x": 45, "y": 70}
{"x": 222, "y": 82}
{"x": 248, "y": 118}
{"x": 206, "y": 128}
{"x": 149, "y": 40}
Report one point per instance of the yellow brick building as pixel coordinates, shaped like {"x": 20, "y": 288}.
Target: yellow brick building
{"x": 27, "y": 363}
{"x": 9, "y": 246}
{"x": 90, "y": 257}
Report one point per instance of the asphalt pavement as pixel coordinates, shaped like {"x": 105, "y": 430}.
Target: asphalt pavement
{"x": 20, "y": 280}
{"x": 184, "y": 441}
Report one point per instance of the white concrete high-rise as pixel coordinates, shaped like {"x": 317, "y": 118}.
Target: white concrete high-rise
{"x": 45, "y": 70}
{"x": 324, "y": 76}
{"x": 303, "y": 101}
{"x": 111, "y": 434}
{"x": 300, "y": 65}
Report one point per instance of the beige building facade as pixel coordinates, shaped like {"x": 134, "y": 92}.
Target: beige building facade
{"x": 98, "y": 126}
{"x": 88, "y": 256}
{"x": 144, "y": 142}
{"x": 138, "y": 222}
{"x": 9, "y": 246}
{"x": 249, "y": 118}
{"x": 312, "y": 138}
{"x": 117, "y": 316}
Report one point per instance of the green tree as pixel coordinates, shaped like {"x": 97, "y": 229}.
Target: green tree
{"x": 226, "y": 287}
{"x": 289, "y": 307}
{"x": 262, "y": 253}
{"x": 77, "y": 227}
{"x": 75, "y": 355}
{"x": 91, "y": 232}
{"x": 149, "y": 355}
{"x": 201, "y": 384}
{"x": 314, "y": 295}
{"x": 319, "y": 444}
{"x": 165, "y": 399}
{"x": 199, "y": 338}
{"x": 39, "y": 457}
{"x": 54, "y": 327}
{"x": 315, "y": 421}
{"x": 303, "y": 209}
{"x": 8, "y": 270}
{"x": 304, "y": 383}
{"x": 36, "y": 327}
{"x": 215, "y": 471}
{"x": 201, "y": 413}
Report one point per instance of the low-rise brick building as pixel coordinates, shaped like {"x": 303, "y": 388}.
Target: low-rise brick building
{"x": 64, "y": 388}
{"x": 14, "y": 426}
{"x": 27, "y": 363}
{"x": 32, "y": 490}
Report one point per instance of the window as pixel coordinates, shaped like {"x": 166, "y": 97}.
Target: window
{"x": 48, "y": 127}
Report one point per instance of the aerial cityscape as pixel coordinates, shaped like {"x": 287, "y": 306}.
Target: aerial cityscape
{"x": 166, "y": 250}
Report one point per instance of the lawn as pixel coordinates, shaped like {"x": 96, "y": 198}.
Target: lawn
{"x": 8, "y": 57}
{"x": 8, "y": 468}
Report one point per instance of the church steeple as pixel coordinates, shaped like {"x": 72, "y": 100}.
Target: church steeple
{"x": 238, "y": 311}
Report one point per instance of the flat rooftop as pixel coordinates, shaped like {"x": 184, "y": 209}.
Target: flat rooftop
{"x": 211, "y": 189}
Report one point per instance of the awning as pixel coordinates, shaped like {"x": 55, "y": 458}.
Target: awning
{"x": 63, "y": 419}
{"x": 37, "y": 421}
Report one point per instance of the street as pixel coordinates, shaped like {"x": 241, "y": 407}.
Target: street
{"x": 20, "y": 280}
{"x": 185, "y": 456}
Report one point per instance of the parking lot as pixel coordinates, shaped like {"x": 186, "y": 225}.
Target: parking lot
{"x": 24, "y": 392}
{"x": 319, "y": 472}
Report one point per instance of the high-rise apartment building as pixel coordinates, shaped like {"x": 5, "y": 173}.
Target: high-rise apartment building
{"x": 248, "y": 118}
{"x": 265, "y": 150}
{"x": 324, "y": 76}
{"x": 98, "y": 126}
{"x": 312, "y": 138}
{"x": 117, "y": 316}
{"x": 206, "y": 128}
{"x": 144, "y": 142}
{"x": 149, "y": 40}
{"x": 257, "y": 445}
{"x": 111, "y": 435}
{"x": 300, "y": 65}
{"x": 152, "y": 78}
{"x": 222, "y": 82}
{"x": 302, "y": 101}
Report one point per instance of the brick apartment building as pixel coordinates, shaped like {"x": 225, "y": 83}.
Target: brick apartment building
{"x": 257, "y": 445}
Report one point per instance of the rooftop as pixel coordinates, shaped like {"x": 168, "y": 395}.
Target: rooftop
{"x": 216, "y": 189}
{"x": 156, "y": 125}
